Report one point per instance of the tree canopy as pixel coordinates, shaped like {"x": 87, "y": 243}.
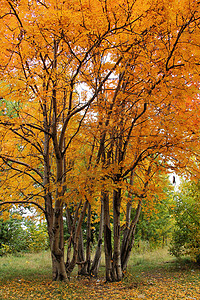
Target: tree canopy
{"x": 97, "y": 98}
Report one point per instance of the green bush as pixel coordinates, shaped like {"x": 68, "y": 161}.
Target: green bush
{"x": 37, "y": 237}
{"x": 186, "y": 236}
{"x": 22, "y": 235}
{"x": 12, "y": 236}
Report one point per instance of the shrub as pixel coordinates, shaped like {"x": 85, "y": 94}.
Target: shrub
{"x": 22, "y": 235}
{"x": 186, "y": 236}
{"x": 37, "y": 237}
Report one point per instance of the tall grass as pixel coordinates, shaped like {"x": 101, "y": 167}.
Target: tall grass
{"x": 34, "y": 265}
{"x": 25, "y": 265}
{"x": 150, "y": 258}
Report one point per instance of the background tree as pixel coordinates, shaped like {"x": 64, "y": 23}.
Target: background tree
{"x": 186, "y": 236}
{"x": 19, "y": 233}
{"x": 156, "y": 225}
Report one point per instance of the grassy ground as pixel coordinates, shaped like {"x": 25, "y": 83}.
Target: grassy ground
{"x": 151, "y": 275}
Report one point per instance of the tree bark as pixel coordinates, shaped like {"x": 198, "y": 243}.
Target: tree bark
{"x": 97, "y": 258}
{"x": 85, "y": 270}
{"x": 49, "y": 211}
{"x": 129, "y": 242}
{"x": 81, "y": 255}
{"x": 73, "y": 261}
{"x": 72, "y": 229}
{"x": 117, "y": 270}
{"x": 107, "y": 236}
{"x": 58, "y": 241}
{"x": 57, "y": 244}
{"x": 128, "y": 218}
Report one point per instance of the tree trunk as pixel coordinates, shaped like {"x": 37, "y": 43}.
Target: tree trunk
{"x": 127, "y": 227}
{"x": 97, "y": 258}
{"x": 128, "y": 219}
{"x": 73, "y": 262}
{"x": 130, "y": 234}
{"x": 49, "y": 219}
{"x": 49, "y": 211}
{"x": 58, "y": 240}
{"x": 81, "y": 256}
{"x": 107, "y": 236}
{"x": 72, "y": 228}
{"x": 85, "y": 270}
{"x": 117, "y": 270}
{"x": 128, "y": 243}
{"x": 71, "y": 222}
{"x": 88, "y": 245}
{"x": 57, "y": 244}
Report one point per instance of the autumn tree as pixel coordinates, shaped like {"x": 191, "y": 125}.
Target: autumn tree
{"x": 148, "y": 111}
{"x": 47, "y": 54}
{"x": 126, "y": 74}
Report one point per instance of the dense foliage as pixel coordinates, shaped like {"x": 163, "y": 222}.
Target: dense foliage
{"x": 186, "y": 237}
{"x": 98, "y": 99}
{"x": 22, "y": 235}
{"x": 157, "y": 228}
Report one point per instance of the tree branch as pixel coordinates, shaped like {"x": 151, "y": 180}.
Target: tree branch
{"x": 6, "y": 159}
{"x": 24, "y": 202}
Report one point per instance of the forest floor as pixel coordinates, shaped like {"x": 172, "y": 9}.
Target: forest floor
{"x": 151, "y": 275}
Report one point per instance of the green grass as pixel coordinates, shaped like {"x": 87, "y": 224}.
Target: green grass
{"x": 150, "y": 275}
{"x": 25, "y": 265}
{"x": 150, "y": 259}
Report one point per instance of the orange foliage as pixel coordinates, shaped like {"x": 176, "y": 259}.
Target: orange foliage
{"x": 93, "y": 91}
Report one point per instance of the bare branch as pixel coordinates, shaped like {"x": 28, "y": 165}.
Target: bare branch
{"x": 24, "y": 202}
{"x": 9, "y": 159}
